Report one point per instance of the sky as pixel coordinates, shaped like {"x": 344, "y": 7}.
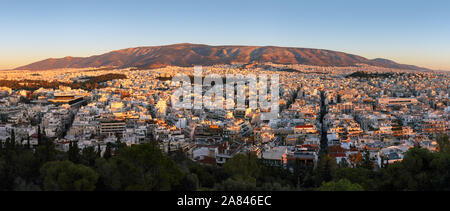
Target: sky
{"x": 409, "y": 32}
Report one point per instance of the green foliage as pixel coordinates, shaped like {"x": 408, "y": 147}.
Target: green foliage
{"x": 245, "y": 173}
{"x": 242, "y": 167}
{"x": 88, "y": 156}
{"x": 367, "y": 162}
{"x": 363, "y": 176}
{"x": 141, "y": 167}
{"x": 109, "y": 175}
{"x": 275, "y": 186}
{"x": 341, "y": 185}
{"x": 67, "y": 176}
{"x": 74, "y": 152}
{"x": 208, "y": 176}
{"x": 45, "y": 151}
{"x": 17, "y": 163}
{"x": 145, "y": 167}
{"x": 420, "y": 170}
{"x": 108, "y": 151}
{"x": 325, "y": 169}
{"x": 443, "y": 144}
{"x": 274, "y": 177}
{"x": 189, "y": 182}
{"x": 235, "y": 185}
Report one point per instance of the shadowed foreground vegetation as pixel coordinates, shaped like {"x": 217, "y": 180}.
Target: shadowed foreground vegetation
{"x": 145, "y": 168}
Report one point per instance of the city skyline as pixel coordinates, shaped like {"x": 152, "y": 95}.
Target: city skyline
{"x": 225, "y": 104}
{"x": 408, "y": 32}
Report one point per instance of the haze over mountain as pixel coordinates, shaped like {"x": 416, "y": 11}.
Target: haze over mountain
{"x": 187, "y": 54}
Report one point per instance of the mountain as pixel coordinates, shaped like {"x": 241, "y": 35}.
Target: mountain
{"x": 392, "y": 64}
{"x": 187, "y": 54}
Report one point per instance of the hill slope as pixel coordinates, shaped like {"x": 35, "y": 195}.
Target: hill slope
{"x": 195, "y": 54}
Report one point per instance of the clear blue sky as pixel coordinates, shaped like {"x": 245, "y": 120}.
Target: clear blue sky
{"x": 413, "y": 32}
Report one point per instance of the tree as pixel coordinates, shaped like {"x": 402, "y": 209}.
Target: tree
{"x": 99, "y": 151}
{"x": 344, "y": 163}
{"x": 17, "y": 163}
{"x": 88, "y": 156}
{"x": 420, "y": 170}
{"x": 144, "y": 167}
{"x": 67, "y": 176}
{"x": 341, "y": 185}
{"x": 46, "y": 152}
{"x": 362, "y": 176}
{"x": 109, "y": 176}
{"x": 302, "y": 174}
{"x": 367, "y": 162}
{"x": 242, "y": 167}
{"x": 74, "y": 152}
{"x": 13, "y": 137}
{"x": 235, "y": 185}
{"x": 39, "y": 135}
{"x": 119, "y": 144}
{"x": 443, "y": 144}
{"x": 207, "y": 176}
{"x": 28, "y": 146}
{"x": 325, "y": 169}
{"x": 189, "y": 182}
{"x": 384, "y": 161}
{"x": 46, "y": 149}
{"x": 108, "y": 152}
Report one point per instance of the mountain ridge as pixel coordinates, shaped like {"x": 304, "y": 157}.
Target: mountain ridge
{"x": 187, "y": 54}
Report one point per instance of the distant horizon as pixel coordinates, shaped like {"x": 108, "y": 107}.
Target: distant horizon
{"x": 143, "y": 46}
{"x": 407, "y": 32}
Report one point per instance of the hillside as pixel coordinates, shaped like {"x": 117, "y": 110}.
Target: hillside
{"x": 187, "y": 54}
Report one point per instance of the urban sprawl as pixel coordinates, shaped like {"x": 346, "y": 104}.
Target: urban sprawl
{"x": 343, "y": 111}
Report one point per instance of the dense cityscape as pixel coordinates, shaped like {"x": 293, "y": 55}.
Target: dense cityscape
{"x": 255, "y": 104}
{"x": 338, "y": 128}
